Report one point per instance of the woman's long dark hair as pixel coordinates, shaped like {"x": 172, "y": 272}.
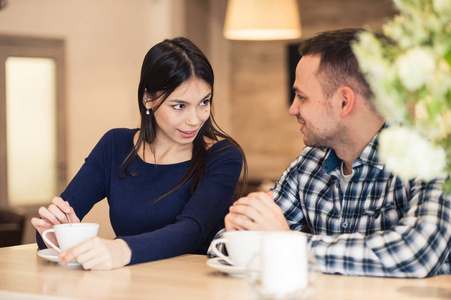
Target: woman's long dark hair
{"x": 165, "y": 67}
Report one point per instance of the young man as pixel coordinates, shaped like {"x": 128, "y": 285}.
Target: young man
{"x": 364, "y": 220}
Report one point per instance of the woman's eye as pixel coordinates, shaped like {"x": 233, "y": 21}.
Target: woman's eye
{"x": 178, "y": 106}
{"x": 205, "y": 102}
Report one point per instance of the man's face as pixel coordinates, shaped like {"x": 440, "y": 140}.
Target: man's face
{"x": 320, "y": 124}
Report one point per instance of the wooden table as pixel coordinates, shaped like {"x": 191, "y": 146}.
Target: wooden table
{"x": 24, "y": 275}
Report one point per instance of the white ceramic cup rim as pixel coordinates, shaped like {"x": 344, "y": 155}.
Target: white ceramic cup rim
{"x": 76, "y": 225}
{"x": 226, "y": 236}
{"x": 66, "y": 225}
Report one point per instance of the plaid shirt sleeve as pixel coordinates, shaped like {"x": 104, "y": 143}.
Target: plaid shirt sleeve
{"x": 286, "y": 195}
{"x": 413, "y": 239}
{"x": 418, "y": 246}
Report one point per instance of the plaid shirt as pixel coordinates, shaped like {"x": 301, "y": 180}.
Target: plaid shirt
{"x": 379, "y": 226}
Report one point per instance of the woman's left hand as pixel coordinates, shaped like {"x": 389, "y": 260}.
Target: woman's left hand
{"x": 99, "y": 254}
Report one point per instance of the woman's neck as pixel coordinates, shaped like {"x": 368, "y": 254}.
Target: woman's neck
{"x": 162, "y": 153}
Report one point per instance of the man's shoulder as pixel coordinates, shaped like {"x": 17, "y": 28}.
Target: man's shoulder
{"x": 310, "y": 159}
{"x": 313, "y": 154}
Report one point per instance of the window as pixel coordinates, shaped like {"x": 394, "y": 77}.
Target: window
{"x": 32, "y": 144}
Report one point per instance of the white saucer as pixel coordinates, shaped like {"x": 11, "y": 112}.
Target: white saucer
{"x": 52, "y": 255}
{"x": 231, "y": 270}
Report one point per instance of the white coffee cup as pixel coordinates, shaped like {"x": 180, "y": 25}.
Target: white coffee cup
{"x": 284, "y": 262}
{"x": 283, "y": 268}
{"x": 241, "y": 246}
{"x": 71, "y": 235}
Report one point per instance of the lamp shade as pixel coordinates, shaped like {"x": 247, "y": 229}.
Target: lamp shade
{"x": 262, "y": 20}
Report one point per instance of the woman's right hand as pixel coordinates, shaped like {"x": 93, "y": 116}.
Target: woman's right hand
{"x": 53, "y": 215}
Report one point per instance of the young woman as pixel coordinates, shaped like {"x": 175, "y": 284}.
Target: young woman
{"x": 169, "y": 183}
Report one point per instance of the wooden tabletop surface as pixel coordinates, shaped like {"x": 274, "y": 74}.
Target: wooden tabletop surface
{"x": 24, "y": 275}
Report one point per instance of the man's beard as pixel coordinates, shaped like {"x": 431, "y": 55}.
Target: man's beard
{"x": 328, "y": 139}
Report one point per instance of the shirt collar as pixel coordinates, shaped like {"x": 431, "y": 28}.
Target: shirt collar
{"x": 369, "y": 156}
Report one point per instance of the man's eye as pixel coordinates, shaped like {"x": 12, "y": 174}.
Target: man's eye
{"x": 302, "y": 98}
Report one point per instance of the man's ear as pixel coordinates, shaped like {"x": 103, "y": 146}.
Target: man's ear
{"x": 347, "y": 98}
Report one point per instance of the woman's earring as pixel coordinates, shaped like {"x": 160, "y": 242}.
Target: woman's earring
{"x": 148, "y": 112}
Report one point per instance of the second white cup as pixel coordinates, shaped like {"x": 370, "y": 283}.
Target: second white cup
{"x": 283, "y": 268}
{"x": 284, "y": 261}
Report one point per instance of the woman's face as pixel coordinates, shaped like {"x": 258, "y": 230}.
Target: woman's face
{"x": 183, "y": 113}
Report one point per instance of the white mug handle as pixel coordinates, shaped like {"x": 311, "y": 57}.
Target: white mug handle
{"x": 219, "y": 253}
{"x": 44, "y": 236}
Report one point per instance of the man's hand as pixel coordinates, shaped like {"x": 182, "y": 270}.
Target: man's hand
{"x": 257, "y": 211}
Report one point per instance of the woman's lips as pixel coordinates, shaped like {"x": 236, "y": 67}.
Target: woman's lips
{"x": 188, "y": 134}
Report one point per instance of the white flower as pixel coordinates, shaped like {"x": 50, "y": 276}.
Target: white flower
{"x": 411, "y": 81}
{"x": 370, "y": 53}
{"x": 444, "y": 124}
{"x": 408, "y": 155}
{"x": 389, "y": 104}
{"x": 415, "y": 68}
{"x": 396, "y": 31}
{"x": 381, "y": 74}
{"x": 421, "y": 111}
{"x": 442, "y": 7}
{"x": 368, "y": 41}
{"x": 441, "y": 83}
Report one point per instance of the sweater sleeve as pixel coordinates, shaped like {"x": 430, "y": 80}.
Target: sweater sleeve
{"x": 201, "y": 217}
{"x": 88, "y": 186}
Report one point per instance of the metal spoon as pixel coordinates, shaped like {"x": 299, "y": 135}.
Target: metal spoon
{"x": 67, "y": 216}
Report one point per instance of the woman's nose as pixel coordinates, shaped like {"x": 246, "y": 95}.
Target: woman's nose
{"x": 192, "y": 118}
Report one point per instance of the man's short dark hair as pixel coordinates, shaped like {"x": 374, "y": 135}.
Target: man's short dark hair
{"x": 338, "y": 66}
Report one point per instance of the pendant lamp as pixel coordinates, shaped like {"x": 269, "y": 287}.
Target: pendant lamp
{"x": 262, "y": 20}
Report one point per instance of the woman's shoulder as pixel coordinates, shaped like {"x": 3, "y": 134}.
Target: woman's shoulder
{"x": 225, "y": 148}
{"x": 119, "y": 134}
{"x": 118, "y": 138}
{"x": 223, "y": 145}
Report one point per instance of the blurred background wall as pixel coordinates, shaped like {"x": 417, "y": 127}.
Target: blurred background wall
{"x": 106, "y": 40}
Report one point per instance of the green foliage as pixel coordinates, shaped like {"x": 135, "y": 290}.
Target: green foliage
{"x": 410, "y": 72}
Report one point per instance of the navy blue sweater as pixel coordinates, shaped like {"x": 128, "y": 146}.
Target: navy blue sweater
{"x": 177, "y": 224}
